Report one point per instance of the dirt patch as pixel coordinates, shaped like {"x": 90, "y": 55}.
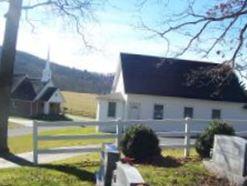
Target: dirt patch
{"x": 160, "y": 161}
{"x": 212, "y": 180}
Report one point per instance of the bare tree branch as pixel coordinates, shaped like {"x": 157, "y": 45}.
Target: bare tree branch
{"x": 230, "y": 16}
{"x": 240, "y": 44}
{"x": 76, "y": 11}
{"x": 45, "y": 3}
{"x": 196, "y": 36}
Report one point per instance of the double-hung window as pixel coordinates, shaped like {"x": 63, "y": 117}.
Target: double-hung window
{"x": 112, "y": 109}
{"x": 216, "y": 114}
{"x": 188, "y": 112}
{"x": 158, "y": 111}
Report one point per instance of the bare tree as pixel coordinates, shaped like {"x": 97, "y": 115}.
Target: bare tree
{"x": 6, "y": 68}
{"x": 75, "y": 11}
{"x": 220, "y": 28}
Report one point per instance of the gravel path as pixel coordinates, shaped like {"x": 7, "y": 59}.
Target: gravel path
{"x": 27, "y": 125}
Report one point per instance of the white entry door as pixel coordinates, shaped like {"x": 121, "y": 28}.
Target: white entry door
{"x": 134, "y": 111}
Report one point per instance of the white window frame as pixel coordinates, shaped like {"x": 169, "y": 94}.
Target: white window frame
{"x": 184, "y": 115}
{"x": 220, "y": 111}
{"x": 156, "y": 118}
{"x": 108, "y": 111}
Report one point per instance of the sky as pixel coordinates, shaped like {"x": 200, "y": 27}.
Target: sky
{"x": 113, "y": 30}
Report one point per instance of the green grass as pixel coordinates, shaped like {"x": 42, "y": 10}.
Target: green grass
{"x": 81, "y": 171}
{"x": 24, "y": 143}
{"x": 80, "y": 103}
{"x": 78, "y": 171}
{"x": 189, "y": 172}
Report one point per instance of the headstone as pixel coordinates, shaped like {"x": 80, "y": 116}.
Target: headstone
{"x": 127, "y": 175}
{"x": 109, "y": 156}
{"x": 229, "y": 159}
{"x": 230, "y": 152}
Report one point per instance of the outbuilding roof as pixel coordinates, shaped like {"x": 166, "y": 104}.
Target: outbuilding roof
{"x": 48, "y": 93}
{"x": 38, "y": 85}
{"x": 24, "y": 91}
{"x": 159, "y": 76}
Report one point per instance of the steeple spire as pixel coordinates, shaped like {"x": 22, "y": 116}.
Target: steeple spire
{"x": 46, "y": 75}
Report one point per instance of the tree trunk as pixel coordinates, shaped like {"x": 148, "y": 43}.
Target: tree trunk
{"x": 7, "y": 67}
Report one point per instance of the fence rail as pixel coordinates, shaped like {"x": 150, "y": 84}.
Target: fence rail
{"x": 120, "y": 126}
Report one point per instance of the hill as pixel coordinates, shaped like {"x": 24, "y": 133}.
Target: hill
{"x": 82, "y": 104}
{"x": 65, "y": 78}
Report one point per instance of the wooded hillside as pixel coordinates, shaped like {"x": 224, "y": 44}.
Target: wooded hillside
{"x": 65, "y": 78}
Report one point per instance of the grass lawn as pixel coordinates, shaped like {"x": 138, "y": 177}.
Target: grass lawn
{"x": 78, "y": 171}
{"x": 80, "y": 103}
{"x": 189, "y": 172}
{"x": 81, "y": 170}
{"x": 24, "y": 143}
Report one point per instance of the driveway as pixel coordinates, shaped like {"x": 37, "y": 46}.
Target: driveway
{"x": 27, "y": 130}
{"x": 27, "y": 125}
{"x": 175, "y": 141}
{"x": 21, "y": 121}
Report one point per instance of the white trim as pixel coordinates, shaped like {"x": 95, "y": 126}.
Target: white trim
{"x": 46, "y": 108}
{"x": 60, "y": 94}
{"x": 117, "y": 75}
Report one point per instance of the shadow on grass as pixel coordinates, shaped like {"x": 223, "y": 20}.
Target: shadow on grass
{"x": 81, "y": 174}
{"x": 16, "y": 159}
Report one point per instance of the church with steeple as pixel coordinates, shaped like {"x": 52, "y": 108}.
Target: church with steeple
{"x": 35, "y": 96}
{"x": 46, "y": 75}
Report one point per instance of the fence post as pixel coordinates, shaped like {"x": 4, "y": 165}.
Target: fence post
{"x": 187, "y": 137}
{"x": 119, "y": 132}
{"x": 35, "y": 143}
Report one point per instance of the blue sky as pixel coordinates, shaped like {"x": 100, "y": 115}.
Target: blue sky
{"x": 114, "y": 31}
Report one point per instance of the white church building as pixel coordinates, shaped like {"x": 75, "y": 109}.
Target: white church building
{"x": 35, "y": 96}
{"x": 154, "y": 88}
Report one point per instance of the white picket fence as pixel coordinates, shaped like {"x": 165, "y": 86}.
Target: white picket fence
{"x": 180, "y": 128}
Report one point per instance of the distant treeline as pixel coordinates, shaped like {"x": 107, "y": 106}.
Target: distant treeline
{"x": 65, "y": 78}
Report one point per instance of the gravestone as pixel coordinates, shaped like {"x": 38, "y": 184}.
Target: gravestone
{"x": 109, "y": 156}
{"x": 230, "y": 152}
{"x": 114, "y": 173}
{"x": 229, "y": 159}
{"x": 127, "y": 175}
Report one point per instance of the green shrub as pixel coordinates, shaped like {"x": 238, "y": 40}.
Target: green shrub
{"x": 51, "y": 117}
{"x": 205, "y": 141}
{"x": 140, "y": 143}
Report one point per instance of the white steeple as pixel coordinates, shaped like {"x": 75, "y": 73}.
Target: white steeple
{"x": 46, "y": 75}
